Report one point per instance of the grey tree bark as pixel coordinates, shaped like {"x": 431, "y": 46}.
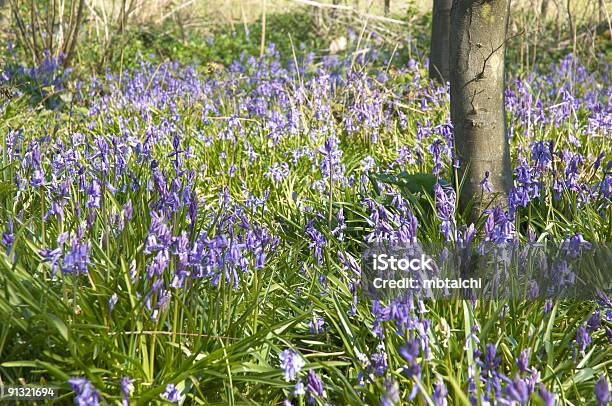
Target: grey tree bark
{"x": 478, "y": 37}
{"x": 440, "y": 40}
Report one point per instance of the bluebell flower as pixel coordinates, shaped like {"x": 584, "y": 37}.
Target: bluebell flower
{"x": 315, "y": 385}
{"x": 127, "y": 387}
{"x": 574, "y": 245}
{"x": 440, "y": 393}
{"x": 485, "y": 183}
{"x": 541, "y": 153}
{"x": 331, "y": 166}
{"x": 172, "y": 394}
{"x": 548, "y": 305}
{"x": 583, "y": 339}
{"x": 412, "y": 369}
{"x": 498, "y": 227}
{"x": 379, "y": 361}
{"x": 423, "y": 130}
{"x": 472, "y": 385}
{"x": 93, "y": 194}
{"x": 8, "y": 237}
{"x": 368, "y": 163}
{"x": 298, "y": 389}
{"x": 602, "y": 392}
{"x": 277, "y": 172}
{"x": 445, "y": 210}
{"x": 391, "y": 397}
{"x": 594, "y": 322}
{"x": 86, "y": 394}
{"x": 405, "y": 156}
{"x": 112, "y": 301}
{"x": 127, "y": 211}
{"x": 436, "y": 149}
{"x": 316, "y": 325}
{"x": 518, "y": 391}
{"x": 546, "y": 396}
{"x": 338, "y": 231}
{"x": 76, "y": 261}
{"x": 291, "y": 362}
{"x": 317, "y": 240}
{"x": 53, "y": 257}
{"x": 492, "y": 360}
{"x": 523, "y": 360}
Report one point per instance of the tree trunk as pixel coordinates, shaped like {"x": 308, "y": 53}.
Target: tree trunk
{"x": 387, "y": 6}
{"x": 2, "y": 19}
{"x": 334, "y": 11}
{"x": 440, "y": 40}
{"x": 544, "y": 9}
{"x": 478, "y": 32}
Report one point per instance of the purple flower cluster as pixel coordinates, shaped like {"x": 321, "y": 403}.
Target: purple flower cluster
{"x": 445, "y": 208}
{"x": 503, "y": 390}
{"x": 86, "y": 394}
{"x": 178, "y": 195}
{"x": 393, "y": 224}
{"x": 291, "y": 363}
{"x": 172, "y": 394}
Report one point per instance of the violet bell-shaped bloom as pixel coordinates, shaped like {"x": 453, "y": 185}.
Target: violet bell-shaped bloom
{"x": 86, "y": 394}
{"x": 602, "y": 392}
{"x": 292, "y": 363}
{"x": 172, "y": 394}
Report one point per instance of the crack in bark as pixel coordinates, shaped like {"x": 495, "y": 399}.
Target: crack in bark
{"x": 481, "y": 75}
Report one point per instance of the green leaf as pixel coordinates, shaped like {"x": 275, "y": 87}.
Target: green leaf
{"x": 412, "y": 183}
{"x": 59, "y": 325}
